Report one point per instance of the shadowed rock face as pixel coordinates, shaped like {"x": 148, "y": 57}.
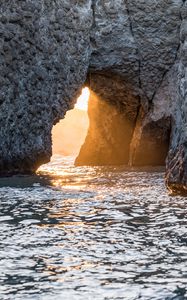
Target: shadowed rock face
{"x": 134, "y": 53}
{"x": 150, "y": 142}
{"x": 176, "y": 175}
{"x": 44, "y": 57}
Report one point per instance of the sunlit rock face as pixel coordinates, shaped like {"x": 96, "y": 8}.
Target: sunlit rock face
{"x": 112, "y": 120}
{"x": 44, "y": 48}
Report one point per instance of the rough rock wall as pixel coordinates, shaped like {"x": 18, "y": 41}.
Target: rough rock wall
{"x": 44, "y": 57}
{"x": 176, "y": 167}
{"x": 155, "y": 27}
{"x": 114, "y": 78}
{"x": 138, "y": 41}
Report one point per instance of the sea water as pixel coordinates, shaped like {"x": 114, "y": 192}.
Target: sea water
{"x": 91, "y": 233}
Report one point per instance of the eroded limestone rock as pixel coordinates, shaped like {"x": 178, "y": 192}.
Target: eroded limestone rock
{"x": 176, "y": 172}
{"x": 44, "y": 58}
{"x": 138, "y": 42}
{"x": 133, "y": 54}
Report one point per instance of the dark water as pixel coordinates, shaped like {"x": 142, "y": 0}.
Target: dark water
{"x": 91, "y": 233}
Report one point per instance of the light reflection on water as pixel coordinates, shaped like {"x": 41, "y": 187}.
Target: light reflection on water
{"x": 91, "y": 233}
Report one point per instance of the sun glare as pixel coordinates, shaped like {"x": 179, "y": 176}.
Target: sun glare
{"x": 69, "y": 134}
{"x": 82, "y": 101}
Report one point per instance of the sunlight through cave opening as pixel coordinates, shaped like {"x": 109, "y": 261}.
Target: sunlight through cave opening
{"x": 69, "y": 134}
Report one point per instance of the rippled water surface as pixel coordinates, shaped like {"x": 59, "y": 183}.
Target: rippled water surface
{"x": 91, "y": 233}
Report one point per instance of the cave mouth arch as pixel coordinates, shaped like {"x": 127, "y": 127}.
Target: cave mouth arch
{"x": 117, "y": 131}
{"x": 121, "y": 130}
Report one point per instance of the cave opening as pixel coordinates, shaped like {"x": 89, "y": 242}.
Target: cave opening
{"x": 122, "y": 130}
{"x": 110, "y": 126}
{"x": 69, "y": 134}
{"x": 112, "y": 112}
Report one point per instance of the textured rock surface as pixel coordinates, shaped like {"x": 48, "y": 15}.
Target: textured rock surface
{"x": 176, "y": 173}
{"x": 44, "y": 57}
{"x": 138, "y": 41}
{"x": 134, "y": 53}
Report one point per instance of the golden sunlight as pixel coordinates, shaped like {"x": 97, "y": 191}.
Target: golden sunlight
{"x": 69, "y": 134}
{"x": 82, "y": 101}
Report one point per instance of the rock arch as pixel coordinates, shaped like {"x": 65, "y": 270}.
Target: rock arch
{"x": 47, "y": 48}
